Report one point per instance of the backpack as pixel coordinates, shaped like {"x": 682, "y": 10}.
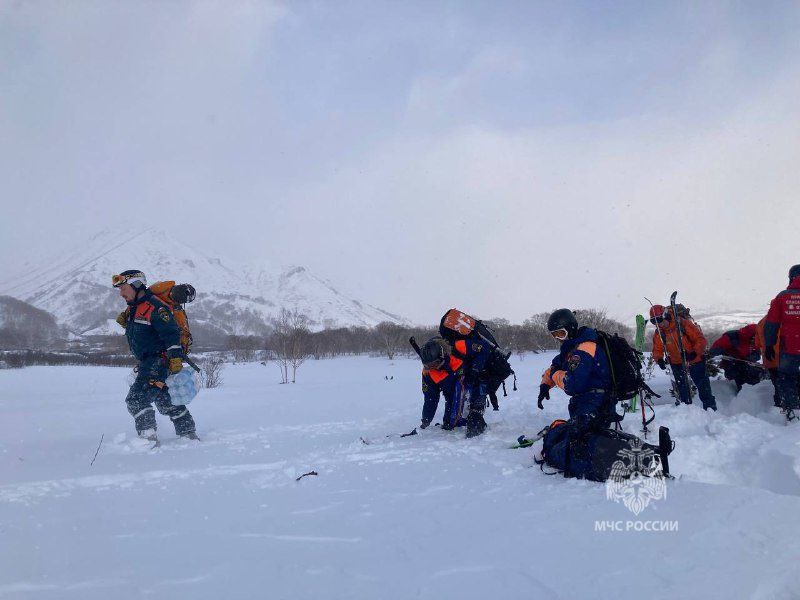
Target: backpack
{"x": 600, "y": 455}
{"x": 625, "y": 364}
{"x": 175, "y": 297}
{"x": 456, "y": 325}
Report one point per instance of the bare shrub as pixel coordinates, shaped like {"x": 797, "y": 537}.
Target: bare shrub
{"x": 392, "y": 337}
{"x": 290, "y": 342}
{"x": 211, "y": 372}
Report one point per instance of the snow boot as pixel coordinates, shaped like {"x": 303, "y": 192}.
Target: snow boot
{"x": 190, "y": 436}
{"x": 475, "y": 424}
{"x": 150, "y": 435}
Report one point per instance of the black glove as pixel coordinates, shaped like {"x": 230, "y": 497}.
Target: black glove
{"x": 769, "y": 352}
{"x": 690, "y": 356}
{"x": 661, "y": 364}
{"x": 544, "y": 394}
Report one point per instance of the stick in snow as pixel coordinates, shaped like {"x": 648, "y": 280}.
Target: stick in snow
{"x": 306, "y": 475}
{"x": 96, "y": 452}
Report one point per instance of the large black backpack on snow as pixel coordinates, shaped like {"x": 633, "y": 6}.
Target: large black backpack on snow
{"x": 598, "y": 455}
{"x": 456, "y": 325}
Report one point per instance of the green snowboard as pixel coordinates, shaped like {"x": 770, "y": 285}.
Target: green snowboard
{"x": 641, "y": 322}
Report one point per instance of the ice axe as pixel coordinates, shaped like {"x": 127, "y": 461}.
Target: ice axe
{"x": 415, "y": 346}
{"x": 191, "y": 363}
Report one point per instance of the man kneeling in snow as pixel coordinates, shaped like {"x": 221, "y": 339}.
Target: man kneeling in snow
{"x": 581, "y": 370}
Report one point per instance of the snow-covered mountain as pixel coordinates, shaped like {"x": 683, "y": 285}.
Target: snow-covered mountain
{"x": 75, "y": 286}
{"x": 724, "y": 321}
{"x": 23, "y": 326}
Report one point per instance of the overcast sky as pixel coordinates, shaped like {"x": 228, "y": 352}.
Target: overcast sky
{"x": 503, "y": 157}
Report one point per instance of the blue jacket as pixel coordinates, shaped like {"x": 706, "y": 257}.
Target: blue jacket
{"x": 581, "y": 370}
{"x": 460, "y": 377}
{"x": 151, "y": 329}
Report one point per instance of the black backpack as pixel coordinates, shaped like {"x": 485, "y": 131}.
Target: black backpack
{"x": 595, "y": 455}
{"x": 456, "y": 325}
{"x": 625, "y": 364}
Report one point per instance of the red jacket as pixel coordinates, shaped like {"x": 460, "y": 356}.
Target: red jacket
{"x": 742, "y": 344}
{"x": 784, "y": 315}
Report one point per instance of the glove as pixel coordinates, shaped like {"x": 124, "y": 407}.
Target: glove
{"x": 175, "y": 365}
{"x": 544, "y": 394}
{"x": 661, "y": 364}
{"x": 769, "y": 352}
{"x": 690, "y": 356}
{"x": 122, "y": 318}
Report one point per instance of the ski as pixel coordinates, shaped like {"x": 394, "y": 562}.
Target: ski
{"x": 639, "y": 345}
{"x": 722, "y": 357}
{"x": 526, "y": 442}
{"x": 684, "y": 362}
{"x": 367, "y": 442}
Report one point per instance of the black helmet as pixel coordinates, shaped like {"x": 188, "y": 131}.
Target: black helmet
{"x": 794, "y": 272}
{"x": 134, "y": 277}
{"x": 434, "y": 352}
{"x": 182, "y": 293}
{"x": 563, "y": 319}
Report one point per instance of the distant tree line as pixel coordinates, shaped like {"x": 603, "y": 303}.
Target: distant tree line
{"x": 291, "y": 341}
{"x": 16, "y": 359}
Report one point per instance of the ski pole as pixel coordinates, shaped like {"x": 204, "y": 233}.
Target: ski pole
{"x": 673, "y": 383}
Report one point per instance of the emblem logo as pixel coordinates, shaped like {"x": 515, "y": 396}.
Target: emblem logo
{"x": 637, "y": 479}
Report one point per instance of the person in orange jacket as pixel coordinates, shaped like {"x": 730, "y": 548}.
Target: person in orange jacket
{"x": 665, "y": 345}
{"x": 771, "y": 364}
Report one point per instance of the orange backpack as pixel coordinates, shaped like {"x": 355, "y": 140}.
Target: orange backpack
{"x": 163, "y": 290}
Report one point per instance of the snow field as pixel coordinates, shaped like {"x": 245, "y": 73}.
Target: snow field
{"x": 427, "y": 516}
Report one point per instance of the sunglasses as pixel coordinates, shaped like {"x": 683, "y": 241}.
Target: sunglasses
{"x": 560, "y": 334}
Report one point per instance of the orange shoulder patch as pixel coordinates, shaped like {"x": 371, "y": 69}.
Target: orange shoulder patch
{"x": 589, "y": 347}
{"x": 144, "y": 311}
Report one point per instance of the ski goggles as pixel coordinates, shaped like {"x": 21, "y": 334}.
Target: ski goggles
{"x": 560, "y": 334}
{"x": 657, "y": 320}
{"x": 130, "y": 278}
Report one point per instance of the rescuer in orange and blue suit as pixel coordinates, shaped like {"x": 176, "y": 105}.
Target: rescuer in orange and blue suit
{"x": 454, "y": 372}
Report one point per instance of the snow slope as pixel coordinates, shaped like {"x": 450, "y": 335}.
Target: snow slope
{"x": 237, "y": 299}
{"x": 431, "y": 516}
{"x": 727, "y": 321}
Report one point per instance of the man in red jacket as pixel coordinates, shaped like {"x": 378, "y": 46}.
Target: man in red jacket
{"x": 741, "y": 352}
{"x": 784, "y": 316}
